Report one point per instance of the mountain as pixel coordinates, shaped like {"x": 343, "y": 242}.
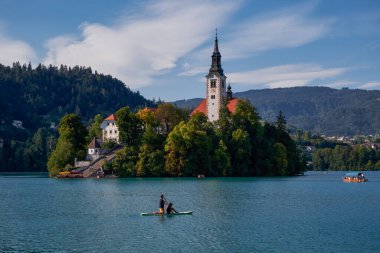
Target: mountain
{"x": 318, "y": 109}
{"x": 44, "y": 94}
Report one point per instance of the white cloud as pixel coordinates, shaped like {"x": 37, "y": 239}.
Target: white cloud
{"x": 194, "y": 71}
{"x": 283, "y": 29}
{"x": 286, "y": 28}
{"x": 15, "y": 51}
{"x": 285, "y": 75}
{"x": 137, "y": 49}
{"x": 375, "y": 85}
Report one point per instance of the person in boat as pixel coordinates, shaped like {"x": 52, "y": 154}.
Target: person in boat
{"x": 162, "y": 204}
{"x": 170, "y": 209}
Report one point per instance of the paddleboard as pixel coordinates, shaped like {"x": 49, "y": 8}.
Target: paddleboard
{"x": 166, "y": 214}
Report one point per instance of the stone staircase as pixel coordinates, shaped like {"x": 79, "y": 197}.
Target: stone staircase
{"x": 96, "y": 166}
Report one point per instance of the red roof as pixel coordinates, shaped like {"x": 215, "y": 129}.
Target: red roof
{"x": 202, "y": 106}
{"x": 111, "y": 117}
{"x": 232, "y": 105}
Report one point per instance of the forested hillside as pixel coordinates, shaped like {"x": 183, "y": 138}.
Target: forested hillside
{"x": 42, "y": 95}
{"x": 317, "y": 109}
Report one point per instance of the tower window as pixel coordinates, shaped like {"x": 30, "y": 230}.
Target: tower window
{"x": 212, "y": 96}
{"x": 213, "y": 84}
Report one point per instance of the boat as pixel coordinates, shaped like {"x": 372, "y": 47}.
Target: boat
{"x": 166, "y": 214}
{"x": 354, "y": 177}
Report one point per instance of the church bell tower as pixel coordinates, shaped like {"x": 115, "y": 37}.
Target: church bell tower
{"x": 215, "y": 84}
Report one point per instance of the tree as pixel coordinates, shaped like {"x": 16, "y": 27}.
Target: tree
{"x": 240, "y": 151}
{"x": 280, "y": 158}
{"x": 125, "y": 162}
{"x": 151, "y": 158}
{"x": 130, "y": 127}
{"x": 188, "y": 150}
{"x": 71, "y": 144}
{"x": 221, "y": 162}
{"x": 146, "y": 116}
{"x": 95, "y": 130}
{"x": 169, "y": 116}
{"x": 281, "y": 122}
{"x": 72, "y": 130}
{"x": 61, "y": 158}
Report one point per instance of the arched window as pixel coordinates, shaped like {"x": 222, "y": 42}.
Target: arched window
{"x": 213, "y": 83}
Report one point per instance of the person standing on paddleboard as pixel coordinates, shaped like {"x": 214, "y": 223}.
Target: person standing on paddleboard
{"x": 162, "y": 204}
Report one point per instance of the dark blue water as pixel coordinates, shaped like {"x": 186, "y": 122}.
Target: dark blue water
{"x": 313, "y": 213}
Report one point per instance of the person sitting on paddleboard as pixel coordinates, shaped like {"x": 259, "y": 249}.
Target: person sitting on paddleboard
{"x": 170, "y": 209}
{"x": 162, "y": 204}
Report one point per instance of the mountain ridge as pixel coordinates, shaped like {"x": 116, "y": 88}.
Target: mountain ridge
{"x": 318, "y": 109}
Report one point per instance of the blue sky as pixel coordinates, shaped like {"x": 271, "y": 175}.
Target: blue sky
{"x": 163, "y": 48}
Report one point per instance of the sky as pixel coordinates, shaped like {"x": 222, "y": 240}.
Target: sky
{"x": 163, "y": 48}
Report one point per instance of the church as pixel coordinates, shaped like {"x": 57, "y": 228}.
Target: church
{"x": 216, "y": 90}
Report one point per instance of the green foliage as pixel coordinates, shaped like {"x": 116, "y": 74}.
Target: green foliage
{"x": 72, "y": 130}
{"x": 108, "y": 145}
{"x": 31, "y": 154}
{"x": 130, "y": 127}
{"x": 240, "y": 152}
{"x": 281, "y": 122}
{"x": 221, "y": 164}
{"x": 280, "y": 158}
{"x": 188, "y": 150}
{"x": 61, "y": 158}
{"x": 168, "y": 116}
{"x": 95, "y": 130}
{"x": 151, "y": 159}
{"x": 125, "y": 162}
{"x": 41, "y": 95}
{"x": 71, "y": 144}
{"x": 46, "y": 93}
{"x": 345, "y": 157}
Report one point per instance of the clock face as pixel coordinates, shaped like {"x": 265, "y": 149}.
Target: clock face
{"x": 213, "y": 90}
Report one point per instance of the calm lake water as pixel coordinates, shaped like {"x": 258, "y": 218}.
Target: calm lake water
{"x": 312, "y": 213}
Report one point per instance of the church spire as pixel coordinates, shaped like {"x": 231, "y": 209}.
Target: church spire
{"x": 216, "y": 48}
{"x": 229, "y": 92}
{"x": 216, "y": 65}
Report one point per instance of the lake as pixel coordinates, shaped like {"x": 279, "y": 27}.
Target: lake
{"x": 312, "y": 213}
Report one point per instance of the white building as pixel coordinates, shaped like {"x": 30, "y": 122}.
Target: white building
{"x": 94, "y": 150}
{"x": 110, "y": 131}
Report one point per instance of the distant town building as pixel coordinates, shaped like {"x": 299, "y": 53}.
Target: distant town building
{"x": 110, "y": 130}
{"x": 17, "y": 123}
{"x": 216, "y": 88}
{"x": 52, "y": 125}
